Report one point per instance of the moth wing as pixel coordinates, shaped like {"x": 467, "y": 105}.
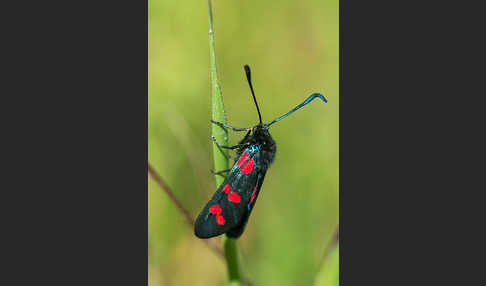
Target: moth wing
{"x": 228, "y": 207}
{"x": 238, "y": 230}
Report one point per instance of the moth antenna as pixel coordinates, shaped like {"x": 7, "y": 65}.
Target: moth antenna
{"x": 248, "y": 77}
{"x": 309, "y": 99}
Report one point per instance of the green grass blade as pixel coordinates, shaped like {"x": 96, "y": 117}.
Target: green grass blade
{"x": 220, "y": 156}
{"x": 218, "y": 114}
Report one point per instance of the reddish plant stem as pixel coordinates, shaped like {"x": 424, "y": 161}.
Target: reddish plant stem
{"x": 171, "y": 195}
{"x": 190, "y": 221}
{"x": 333, "y": 243}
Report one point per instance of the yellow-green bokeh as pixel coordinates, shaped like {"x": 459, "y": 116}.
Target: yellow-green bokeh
{"x": 292, "y": 48}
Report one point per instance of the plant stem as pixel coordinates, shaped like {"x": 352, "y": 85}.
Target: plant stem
{"x": 218, "y": 114}
{"x": 231, "y": 255}
{"x": 220, "y": 156}
{"x": 190, "y": 221}
{"x": 157, "y": 178}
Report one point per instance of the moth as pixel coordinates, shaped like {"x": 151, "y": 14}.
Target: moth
{"x": 230, "y": 207}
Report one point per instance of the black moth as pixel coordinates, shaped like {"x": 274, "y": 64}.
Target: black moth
{"x": 231, "y": 205}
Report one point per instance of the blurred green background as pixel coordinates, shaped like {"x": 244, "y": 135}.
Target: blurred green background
{"x": 292, "y": 48}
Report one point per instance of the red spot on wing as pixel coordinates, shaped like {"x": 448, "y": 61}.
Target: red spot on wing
{"x": 215, "y": 209}
{"x": 242, "y": 159}
{"x": 253, "y": 194}
{"x": 227, "y": 188}
{"x": 220, "y": 219}
{"x": 234, "y": 197}
{"x": 248, "y": 167}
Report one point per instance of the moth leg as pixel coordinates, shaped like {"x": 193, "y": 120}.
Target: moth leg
{"x": 220, "y": 172}
{"x": 227, "y": 156}
{"x": 229, "y": 127}
{"x": 229, "y": 147}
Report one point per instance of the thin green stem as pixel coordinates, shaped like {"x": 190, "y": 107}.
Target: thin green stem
{"x": 231, "y": 255}
{"x": 220, "y": 156}
{"x": 218, "y": 114}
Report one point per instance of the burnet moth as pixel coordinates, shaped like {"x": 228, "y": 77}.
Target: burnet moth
{"x": 229, "y": 208}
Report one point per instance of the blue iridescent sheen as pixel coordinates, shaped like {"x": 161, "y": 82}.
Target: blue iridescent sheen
{"x": 309, "y": 99}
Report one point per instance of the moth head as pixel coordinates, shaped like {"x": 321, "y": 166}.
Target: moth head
{"x": 260, "y": 129}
